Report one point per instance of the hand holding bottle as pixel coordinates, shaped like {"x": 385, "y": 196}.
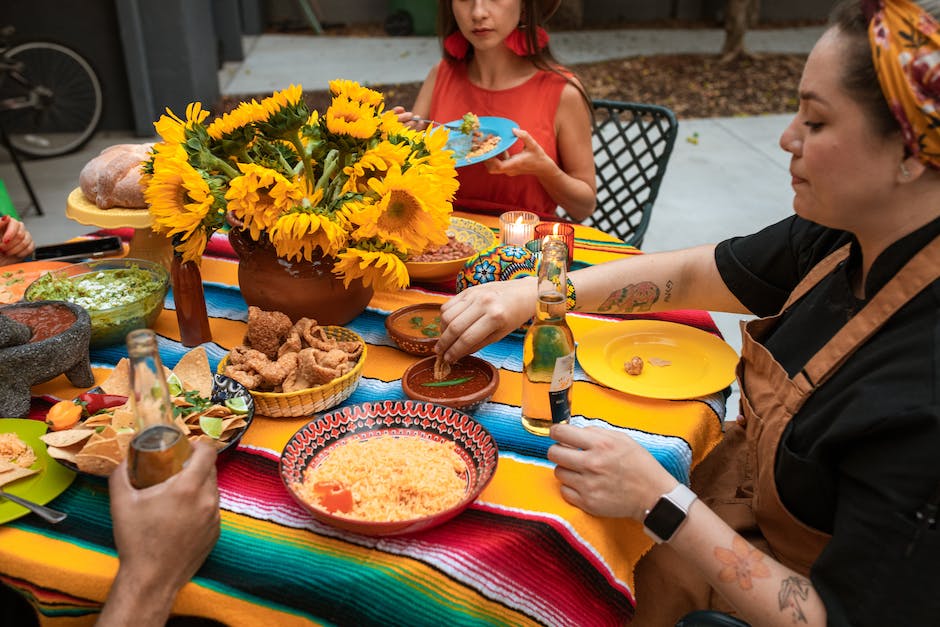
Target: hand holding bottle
{"x": 163, "y": 534}
{"x": 159, "y": 449}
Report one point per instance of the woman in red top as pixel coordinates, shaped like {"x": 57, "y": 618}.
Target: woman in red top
{"x": 497, "y": 63}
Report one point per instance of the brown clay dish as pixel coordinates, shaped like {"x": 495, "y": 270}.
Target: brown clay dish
{"x": 471, "y": 382}
{"x": 415, "y": 328}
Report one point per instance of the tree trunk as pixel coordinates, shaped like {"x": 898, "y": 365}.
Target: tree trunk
{"x": 739, "y": 14}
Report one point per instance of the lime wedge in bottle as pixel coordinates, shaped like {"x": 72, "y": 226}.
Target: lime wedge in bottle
{"x": 237, "y": 405}
{"x": 211, "y": 426}
{"x": 176, "y": 386}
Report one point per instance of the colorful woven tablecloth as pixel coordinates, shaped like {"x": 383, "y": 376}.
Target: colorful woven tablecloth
{"x": 519, "y": 555}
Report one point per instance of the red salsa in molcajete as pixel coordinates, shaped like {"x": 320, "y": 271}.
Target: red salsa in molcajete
{"x": 45, "y": 321}
{"x": 464, "y": 379}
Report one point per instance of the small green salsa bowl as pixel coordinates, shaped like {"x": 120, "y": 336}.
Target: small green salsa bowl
{"x": 120, "y": 295}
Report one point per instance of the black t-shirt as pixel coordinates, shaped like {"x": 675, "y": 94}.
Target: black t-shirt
{"x": 862, "y": 457}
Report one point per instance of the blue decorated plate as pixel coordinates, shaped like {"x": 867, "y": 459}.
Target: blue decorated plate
{"x": 500, "y": 127}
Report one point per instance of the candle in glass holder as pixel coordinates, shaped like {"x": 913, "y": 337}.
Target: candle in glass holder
{"x": 558, "y": 230}
{"x": 517, "y": 227}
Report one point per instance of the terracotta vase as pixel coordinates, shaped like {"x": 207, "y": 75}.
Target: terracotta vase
{"x": 300, "y": 289}
{"x": 190, "y": 301}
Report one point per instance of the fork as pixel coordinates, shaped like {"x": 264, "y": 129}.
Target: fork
{"x": 419, "y": 119}
{"x": 46, "y": 513}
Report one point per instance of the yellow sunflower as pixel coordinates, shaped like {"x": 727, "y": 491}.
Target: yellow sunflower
{"x": 356, "y": 92}
{"x": 244, "y": 114}
{"x": 411, "y": 211}
{"x": 180, "y": 200}
{"x": 172, "y": 129}
{"x": 261, "y": 195}
{"x": 382, "y": 270}
{"x": 300, "y": 232}
{"x": 280, "y": 100}
{"x": 374, "y": 162}
{"x": 346, "y": 117}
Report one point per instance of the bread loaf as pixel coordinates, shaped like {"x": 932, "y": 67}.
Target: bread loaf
{"x": 112, "y": 179}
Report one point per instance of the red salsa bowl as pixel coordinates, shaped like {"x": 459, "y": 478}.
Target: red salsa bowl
{"x": 471, "y": 382}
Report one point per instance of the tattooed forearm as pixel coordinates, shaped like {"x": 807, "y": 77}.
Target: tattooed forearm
{"x": 794, "y": 591}
{"x": 632, "y": 298}
{"x": 742, "y": 563}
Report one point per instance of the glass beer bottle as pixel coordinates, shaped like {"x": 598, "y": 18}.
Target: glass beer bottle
{"x": 548, "y": 348}
{"x": 159, "y": 448}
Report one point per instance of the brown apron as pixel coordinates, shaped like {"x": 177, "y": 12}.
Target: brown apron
{"x": 737, "y": 479}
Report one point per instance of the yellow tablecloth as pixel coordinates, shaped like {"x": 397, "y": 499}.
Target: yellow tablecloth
{"x": 519, "y": 555}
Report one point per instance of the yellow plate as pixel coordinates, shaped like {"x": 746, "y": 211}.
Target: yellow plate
{"x": 699, "y": 363}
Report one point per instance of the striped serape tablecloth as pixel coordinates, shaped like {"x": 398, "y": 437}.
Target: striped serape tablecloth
{"x": 519, "y": 555}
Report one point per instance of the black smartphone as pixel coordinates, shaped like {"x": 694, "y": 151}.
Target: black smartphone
{"x": 100, "y": 247}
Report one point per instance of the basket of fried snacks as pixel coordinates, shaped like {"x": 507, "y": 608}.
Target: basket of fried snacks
{"x": 295, "y": 369}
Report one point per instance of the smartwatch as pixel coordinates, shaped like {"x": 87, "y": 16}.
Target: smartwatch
{"x": 670, "y": 511}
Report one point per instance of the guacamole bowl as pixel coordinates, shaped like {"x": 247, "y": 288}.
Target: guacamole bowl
{"x": 120, "y": 295}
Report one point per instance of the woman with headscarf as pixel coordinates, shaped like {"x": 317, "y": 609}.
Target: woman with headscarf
{"x": 497, "y": 62}
{"x": 820, "y": 504}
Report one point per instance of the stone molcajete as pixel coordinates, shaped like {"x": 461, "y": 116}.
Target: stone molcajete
{"x": 24, "y": 363}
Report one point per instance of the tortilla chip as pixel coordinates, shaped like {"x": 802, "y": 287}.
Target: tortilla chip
{"x": 108, "y": 448}
{"x": 15, "y": 474}
{"x": 98, "y": 420}
{"x": 124, "y": 438}
{"x": 119, "y": 381}
{"x": 65, "y": 454}
{"x": 123, "y": 418}
{"x": 67, "y": 438}
{"x": 6, "y": 465}
{"x": 194, "y": 372}
{"x": 441, "y": 368}
{"x": 235, "y": 422}
{"x": 95, "y": 464}
{"x": 182, "y": 426}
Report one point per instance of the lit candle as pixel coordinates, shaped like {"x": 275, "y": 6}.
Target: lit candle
{"x": 557, "y": 230}
{"x": 517, "y": 227}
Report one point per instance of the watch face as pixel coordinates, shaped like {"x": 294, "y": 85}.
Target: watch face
{"x": 664, "y": 518}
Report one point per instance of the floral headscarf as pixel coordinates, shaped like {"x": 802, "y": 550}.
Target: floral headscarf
{"x": 905, "y": 43}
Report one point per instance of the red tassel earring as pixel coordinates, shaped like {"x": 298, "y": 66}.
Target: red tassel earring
{"x": 518, "y": 43}
{"x": 456, "y": 45}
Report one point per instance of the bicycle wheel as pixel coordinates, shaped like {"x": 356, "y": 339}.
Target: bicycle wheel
{"x": 68, "y": 100}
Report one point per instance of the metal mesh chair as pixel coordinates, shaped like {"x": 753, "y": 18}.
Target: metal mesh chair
{"x": 632, "y": 145}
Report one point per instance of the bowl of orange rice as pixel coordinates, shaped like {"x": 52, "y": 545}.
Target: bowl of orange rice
{"x": 388, "y": 468}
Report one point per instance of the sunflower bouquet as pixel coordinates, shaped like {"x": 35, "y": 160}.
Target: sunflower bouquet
{"x": 354, "y": 182}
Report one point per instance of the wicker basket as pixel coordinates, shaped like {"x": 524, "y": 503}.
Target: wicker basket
{"x": 311, "y": 400}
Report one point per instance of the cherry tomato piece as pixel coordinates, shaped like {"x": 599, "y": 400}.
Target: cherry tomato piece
{"x": 333, "y": 496}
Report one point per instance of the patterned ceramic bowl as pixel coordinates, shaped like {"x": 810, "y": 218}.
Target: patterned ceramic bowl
{"x": 472, "y": 381}
{"x": 316, "y": 440}
{"x": 480, "y": 237}
{"x": 415, "y": 328}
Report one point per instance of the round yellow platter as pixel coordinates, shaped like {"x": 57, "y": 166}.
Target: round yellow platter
{"x": 691, "y": 362}
{"x": 146, "y": 244}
